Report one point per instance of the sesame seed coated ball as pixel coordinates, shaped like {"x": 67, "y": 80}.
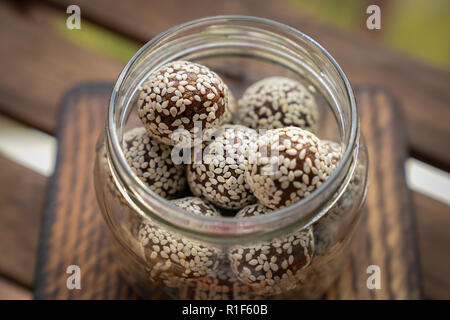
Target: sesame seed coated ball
{"x": 230, "y": 110}
{"x": 179, "y": 94}
{"x": 174, "y": 259}
{"x": 333, "y": 149}
{"x": 287, "y": 165}
{"x": 256, "y": 209}
{"x": 278, "y": 102}
{"x": 273, "y": 265}
{"x": 151, "y": 161}
{"x": 130, "y": 220}
{"x": 330, "y": 228}
{"x": 219, "y": 178}
{"x": 196, "y": 205}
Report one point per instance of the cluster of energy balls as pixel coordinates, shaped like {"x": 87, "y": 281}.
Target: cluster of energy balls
{"x": 259, "y": 153}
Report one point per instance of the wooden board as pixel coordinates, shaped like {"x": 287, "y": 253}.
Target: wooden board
{"x": 421, "y": 89}
{"x": 75, "y": 233}
{"x": 390, "y": 241}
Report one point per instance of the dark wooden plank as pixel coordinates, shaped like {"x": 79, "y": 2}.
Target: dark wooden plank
{"x": 11, "y": 291}
{"x": 433, "y": 225}
{"x": 390, "y": 242}
{"x": 421, "y": 89}
{"x": 21, "y": 202}
{"x": 76, "y": 145}
{"x": 386, "y": 239}
{"x": 40, "y": 65}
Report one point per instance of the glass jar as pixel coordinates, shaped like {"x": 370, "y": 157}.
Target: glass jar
{"x": 301, "y": 247}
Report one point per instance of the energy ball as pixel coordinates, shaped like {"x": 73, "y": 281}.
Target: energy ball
{"x": 221, "y": 285}
{"x": 333, "y": 149}
{"x": 272, "y": 266}
{"x": 230, "y": 110}
{"x": 179, "y": 94}
{"x": 256, "y": 209}
{"x": 196, "y": 205}
{"x": 130, "y": 220}
{"x": 287, "y": 165}
{"x": 175, "y": 259}
{"x": 151, "y": 161}
{"x": 219, "y": 178}
{"x": 330, "y": 229}
{"x": 278, "y": 102}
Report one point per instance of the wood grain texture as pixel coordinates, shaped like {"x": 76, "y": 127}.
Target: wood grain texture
{"x": 11, "y": 291}
{"x": 21, "y": 202}
{"x": 421, "y": 89}
{"x": 40, "y": 65}
{"x": 74, "y": 232}
{"x": 433, "y": 225}
{"x": 390, "y": 228}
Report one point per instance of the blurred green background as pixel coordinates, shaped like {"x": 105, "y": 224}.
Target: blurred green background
{"x": 417, "y": 27}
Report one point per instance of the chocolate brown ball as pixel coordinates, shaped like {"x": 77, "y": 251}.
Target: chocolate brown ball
{"x": 272, "y": 266}
{"x": 278, "y": 102}
{"x": 197, "y": 206}
{"x": 332, "y": 228}
{"x": 333, "y": 149}
{"x": 177, "y": 95}
{"x": 222, "y": 284}
{"x": 151, "y": 161}
{"x": 174, "y": 259}
{"x": 230, "y": 110}
{"x": 256, "y": 209}
{"x": 219, "y": 178}
{"x": 287, "y": 165}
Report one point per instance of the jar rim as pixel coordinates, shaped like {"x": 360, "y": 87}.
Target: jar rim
{"x": 216, "y": 227}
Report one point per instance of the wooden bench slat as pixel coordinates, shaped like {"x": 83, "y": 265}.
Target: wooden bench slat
{"x": 21, "y": 202}
{"x": 433, "y": 225}
{"x": 422, "y": 90}
{"x": 11, "y": 291}
{"x": 39, "y": 65}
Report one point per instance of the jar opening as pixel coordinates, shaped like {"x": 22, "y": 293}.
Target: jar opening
{"x": 228, "y": 36}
